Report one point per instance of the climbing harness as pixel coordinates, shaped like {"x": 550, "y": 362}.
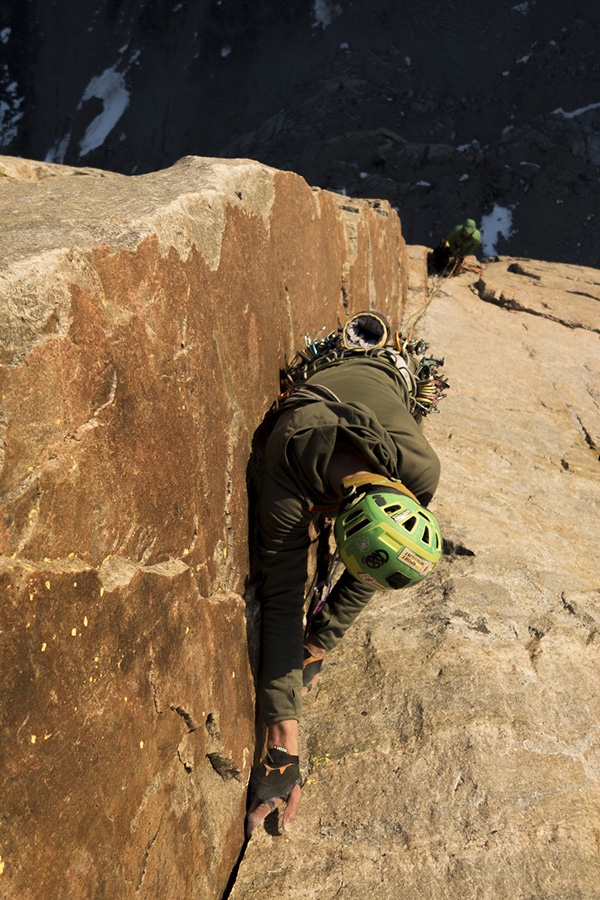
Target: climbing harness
{"x": 367, "y": 334}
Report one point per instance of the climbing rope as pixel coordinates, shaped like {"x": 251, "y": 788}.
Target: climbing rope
{"x": 441, "y": 279}
{"x": 446, "y": 273}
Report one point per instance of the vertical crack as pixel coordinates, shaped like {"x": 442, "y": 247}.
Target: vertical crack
{"x": 587, "y": 436}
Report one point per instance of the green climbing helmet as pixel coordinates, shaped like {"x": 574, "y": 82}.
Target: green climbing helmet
{"x": 384, "y": 536}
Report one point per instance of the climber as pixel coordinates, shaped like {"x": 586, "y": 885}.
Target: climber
{"x": 344, "y": 445}
{"x": 450, "y": 253}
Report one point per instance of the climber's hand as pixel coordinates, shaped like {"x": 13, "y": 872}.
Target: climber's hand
{"x": 311, "y": 665}
{"x": 276, "y": 780}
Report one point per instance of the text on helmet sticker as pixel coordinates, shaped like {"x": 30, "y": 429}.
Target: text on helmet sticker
{"x": 401, "y": 516}
{"x": 413, "y": 561}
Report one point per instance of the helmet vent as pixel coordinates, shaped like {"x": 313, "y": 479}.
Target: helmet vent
{"x": 353, "y": 514}
{"x": 426, "y": 535}
{"x": 410, "y": 523}
{"x": 390, "y": 510}
{"x": 358, "y": 526}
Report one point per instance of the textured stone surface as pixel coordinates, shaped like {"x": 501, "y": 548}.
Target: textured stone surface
{"x": 453, "y": 745}
{"x": 143, "y": 323}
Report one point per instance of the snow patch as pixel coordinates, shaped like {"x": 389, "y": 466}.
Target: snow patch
{"x": 325, "y": 12}
{"x": 4, "y": 35}
{"x": 493, "y": 226}
{"x": 110, "y": 88}
{"x": 576, "y": 112}
{"x": 57, "y": 153}
{"x": 9, "y": 109}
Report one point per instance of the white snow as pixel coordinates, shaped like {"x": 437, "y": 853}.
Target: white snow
{"x": 4, "y": 35}
{"x": 493, "y": 226}
{"x": 324, "y": 12}
{"x": 9, "y": 111}
{"x": 59, "y": 151}
{"x": 225, "y": 51}
{"x": 576, "y": 112}
{"x": 422, "y": 184}
{"x": 524, "y": 59}
{"x": 110, "y": 88}
{"x": 521, "y": 7}
{"x": 464, "y": 177}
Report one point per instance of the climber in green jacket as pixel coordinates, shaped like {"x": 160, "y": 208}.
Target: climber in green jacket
{"x": 344, "y": 445}
{"x": 462, "y": 241}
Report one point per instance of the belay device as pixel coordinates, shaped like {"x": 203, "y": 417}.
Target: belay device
{"x": 369, "y": 334}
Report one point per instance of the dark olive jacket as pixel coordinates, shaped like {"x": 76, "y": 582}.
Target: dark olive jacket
{"x": 372, "y": 416}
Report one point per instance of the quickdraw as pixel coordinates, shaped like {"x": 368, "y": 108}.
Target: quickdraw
{"x": 318, "y": 593}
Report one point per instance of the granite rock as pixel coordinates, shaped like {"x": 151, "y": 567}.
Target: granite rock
{"x": 143, "y": 324}
{"x": 452, "y": 747}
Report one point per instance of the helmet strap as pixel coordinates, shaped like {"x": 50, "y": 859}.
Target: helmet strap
{"x": 351, "y": 484}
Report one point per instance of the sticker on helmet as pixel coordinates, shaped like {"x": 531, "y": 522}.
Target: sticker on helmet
{"x": 401, "y": 516}
{"x": 376, "y": 559}
{"x": 368, "y": 579}
{"x": 417, "y": 563}
{"x": 363, "y": 544}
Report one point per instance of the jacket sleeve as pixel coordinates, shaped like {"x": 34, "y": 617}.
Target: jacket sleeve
{"x": 347, "y": 598}
{"x": 283, "y": 541}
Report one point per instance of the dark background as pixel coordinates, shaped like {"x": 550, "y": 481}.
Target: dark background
{"x": 446, "y": 110}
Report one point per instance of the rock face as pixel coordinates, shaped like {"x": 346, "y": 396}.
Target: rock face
{"x": 452, "y": 747}
{"x": 449, "y": 111}
{"x": 143, "y": 324}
